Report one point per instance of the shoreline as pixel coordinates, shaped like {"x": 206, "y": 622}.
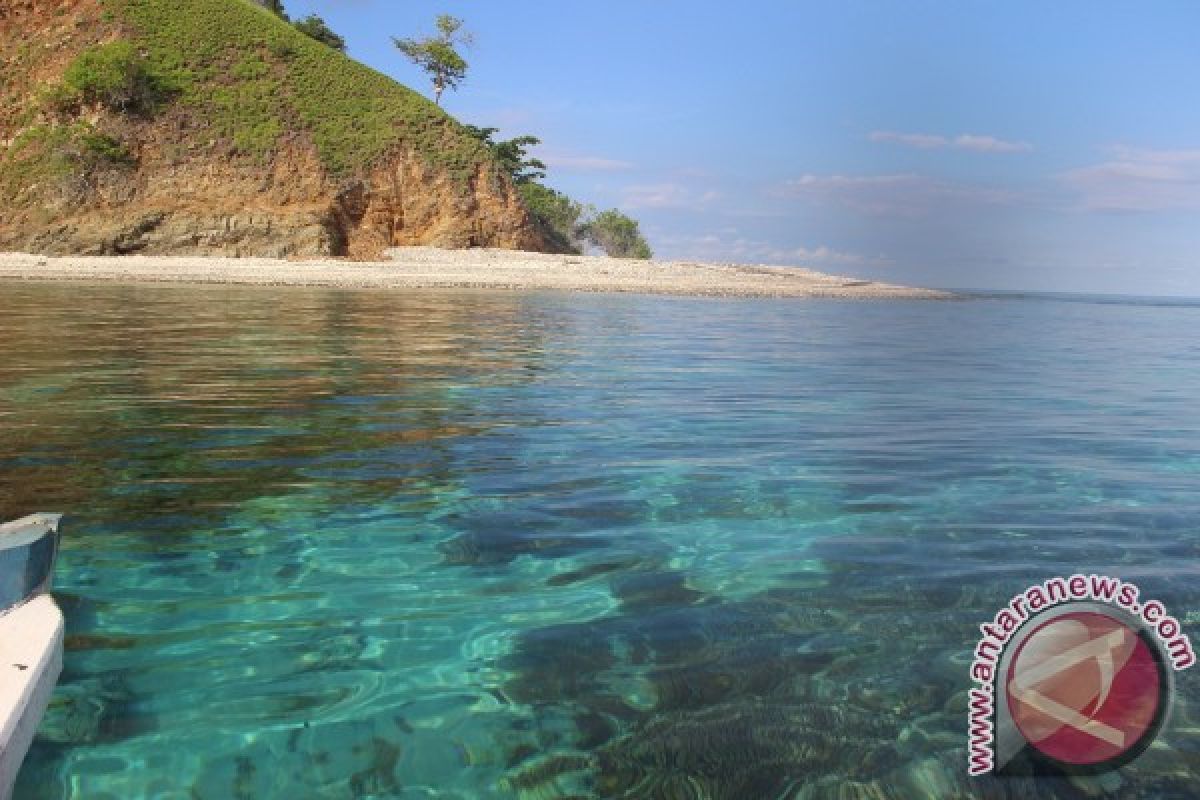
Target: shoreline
{"x": 432, "y": 268}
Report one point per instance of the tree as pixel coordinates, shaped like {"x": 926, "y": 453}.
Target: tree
{"x": 512, "y": 154}
{"x": 314, "y": 27}
{"x": 567, "y": 224}
{"x": 275, "y": 6}
{"x": 557, "y": 215}
{"x": 617, "y": 235}
{"x": 437, "y": 54}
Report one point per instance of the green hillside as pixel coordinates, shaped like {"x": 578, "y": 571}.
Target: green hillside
{"x": 254, "y": 78}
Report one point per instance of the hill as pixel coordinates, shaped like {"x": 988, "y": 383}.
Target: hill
{"x": 214, "y": 127}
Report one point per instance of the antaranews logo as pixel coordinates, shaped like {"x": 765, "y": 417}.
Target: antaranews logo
{"x": 1074, "y": 675}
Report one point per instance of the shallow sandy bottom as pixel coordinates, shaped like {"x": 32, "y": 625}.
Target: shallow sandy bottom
{"x": 427, "y": 267}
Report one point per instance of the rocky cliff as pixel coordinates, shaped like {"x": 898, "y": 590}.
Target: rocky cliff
{"x": 213, "y": 127}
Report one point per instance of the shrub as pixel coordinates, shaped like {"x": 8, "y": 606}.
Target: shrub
{"x": 115, "y": 76}
{"x": 274, "y": 6}
{"x": 69, "y": 158}
{"x": 618, "y": 235}
{"x": 100, "y": 149}
{"x": 557, "y": 215}
{"x": 314, "y": 27}
{"x": 568, "y": 225}
{"x": 58, "y": 98}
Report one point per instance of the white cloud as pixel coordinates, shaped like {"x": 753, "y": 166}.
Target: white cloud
{"x": 827, "y": 255}
{"x": 666, "y": 195}
{"x": 965, "y": 141}
{"x": 732, "y": 247}
{"x": 989, "y": 144}
{"x": 902, "y": 194}
{"x": 1139, "y": 179}
{"x": 924, "y": 141}
{"x": 576, "y": 163}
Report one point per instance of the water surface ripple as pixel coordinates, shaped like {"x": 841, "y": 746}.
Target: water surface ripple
{"x": 340, "y": 544}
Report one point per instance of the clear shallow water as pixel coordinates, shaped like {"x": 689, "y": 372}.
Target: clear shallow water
{"x": 348, "y": 544}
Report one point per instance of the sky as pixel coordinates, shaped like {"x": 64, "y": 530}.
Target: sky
{"x": 959, "y": 144}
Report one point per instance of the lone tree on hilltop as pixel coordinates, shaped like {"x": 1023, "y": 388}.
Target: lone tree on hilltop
{"x": 437, "y": 54}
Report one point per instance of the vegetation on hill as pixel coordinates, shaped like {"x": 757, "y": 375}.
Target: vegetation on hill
{"x": 115, "y": 76}
{"x": 617, "y": 235}
{"x": 315, "y": 28}
{"x": 572, "y": 226}
{"x": 274, "y": 6}
{"x": 567, "y": 223}
{"x": 560, "y": 217}
{"x": 253, "y": 77}
{"x": 512, "y": 154}
{"x": 312, "y": 25}
{"x": 242, "y": 81}
{"x": 68, "y": 156}
{"x": 244, "y": 73}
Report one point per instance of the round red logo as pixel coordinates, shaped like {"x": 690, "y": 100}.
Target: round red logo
{"x": 1085, "y": 689}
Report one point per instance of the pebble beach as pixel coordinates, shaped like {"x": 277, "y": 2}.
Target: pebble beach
{"x": 428, "y": 268}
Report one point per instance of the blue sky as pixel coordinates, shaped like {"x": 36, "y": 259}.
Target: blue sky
{"x": 1018, "y": 145}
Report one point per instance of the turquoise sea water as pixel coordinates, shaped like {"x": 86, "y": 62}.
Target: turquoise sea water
{"x": 454, "y": 545}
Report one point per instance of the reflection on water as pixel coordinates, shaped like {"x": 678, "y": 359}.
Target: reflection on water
{"x": 351, "y": 544}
